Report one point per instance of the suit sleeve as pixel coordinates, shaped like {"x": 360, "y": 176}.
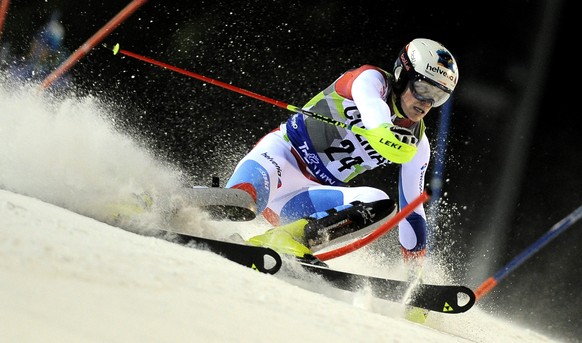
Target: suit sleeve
{"x": 368, "y": 88}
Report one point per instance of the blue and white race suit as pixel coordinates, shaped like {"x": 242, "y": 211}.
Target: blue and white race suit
{"x": 304, "y": 165}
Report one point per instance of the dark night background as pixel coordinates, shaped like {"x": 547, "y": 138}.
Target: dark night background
{"x": 512, "y": 159}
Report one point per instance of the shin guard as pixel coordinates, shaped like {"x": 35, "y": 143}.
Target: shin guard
{"x": 347, "y": 221}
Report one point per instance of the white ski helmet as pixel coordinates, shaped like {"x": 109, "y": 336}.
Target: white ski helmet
{"x": 427, "y": 60}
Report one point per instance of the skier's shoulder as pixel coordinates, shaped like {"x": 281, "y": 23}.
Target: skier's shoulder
{"x": 344, "y": 83}
{"x": 375, "y": 70}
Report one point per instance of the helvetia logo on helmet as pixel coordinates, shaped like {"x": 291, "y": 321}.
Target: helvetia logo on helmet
{"x": 445, "y": 60}
{"x": 438, "y": 70}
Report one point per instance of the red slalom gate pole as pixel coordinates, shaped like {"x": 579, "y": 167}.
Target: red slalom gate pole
{"x": 3, "y": 10}
{"x": 91, "y": 42}
{"x": 379, "y": 232}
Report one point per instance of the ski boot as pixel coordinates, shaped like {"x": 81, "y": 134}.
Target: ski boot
{"x": 284, "y": 239}
{"x": 299, "y": 237}
{"x": 346, "y": 222}
{"x": 415, "y": 314}
{"x": 118, "y": 212}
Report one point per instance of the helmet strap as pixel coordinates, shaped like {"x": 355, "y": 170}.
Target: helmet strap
{"x": 399, "y": 85}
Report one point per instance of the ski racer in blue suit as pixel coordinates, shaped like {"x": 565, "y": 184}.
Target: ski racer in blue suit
{"x": 299, "y": 173}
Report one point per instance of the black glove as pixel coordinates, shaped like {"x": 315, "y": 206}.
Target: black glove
{"x": 404, "y": 135}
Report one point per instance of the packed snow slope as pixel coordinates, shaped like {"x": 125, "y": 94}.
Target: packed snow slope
{"x": 67, "y": 274}
{"x": 70, "y": 278}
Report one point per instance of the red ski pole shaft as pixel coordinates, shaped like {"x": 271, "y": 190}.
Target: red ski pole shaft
{"x": 91, "y": 42}
{"x": 371, "y": 135}
{"x": 376, "y": 136}
{"x": 214, "y": 82}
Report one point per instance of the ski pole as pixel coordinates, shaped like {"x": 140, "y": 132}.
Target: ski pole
{"x": 558, "y": 228}
{"x": 376, "y": 137}
{"x": 116, "y": 49}
{"x": 91, "y": 42}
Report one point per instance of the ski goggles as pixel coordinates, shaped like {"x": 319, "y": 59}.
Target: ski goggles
{"x": 424, "y": 91}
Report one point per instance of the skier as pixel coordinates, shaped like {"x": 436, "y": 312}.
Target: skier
{"x": 298, "y": 174}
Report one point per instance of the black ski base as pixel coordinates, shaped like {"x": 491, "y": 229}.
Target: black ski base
{"x": 438, "y": 298}
{"x": 263, "y": 259}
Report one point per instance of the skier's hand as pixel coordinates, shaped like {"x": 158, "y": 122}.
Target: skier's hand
{"x": 404, "y": 135}
{"x": 395, "y": 149}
